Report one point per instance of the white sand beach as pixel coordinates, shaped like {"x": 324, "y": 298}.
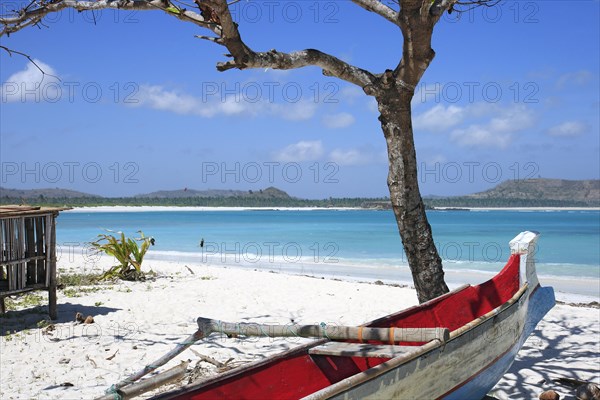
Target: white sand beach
{"x": 136, "y": 322}
{"x": 198, "y": 208}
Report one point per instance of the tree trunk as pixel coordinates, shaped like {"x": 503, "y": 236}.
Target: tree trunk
{"x": 409, "y": 209}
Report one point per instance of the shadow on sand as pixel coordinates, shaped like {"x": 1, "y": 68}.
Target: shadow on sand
{"x": 30, "y": 318}
{"x": 548, "y": 358}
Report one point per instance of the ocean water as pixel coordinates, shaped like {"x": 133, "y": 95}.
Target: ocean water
{"x": 351, "y": 243}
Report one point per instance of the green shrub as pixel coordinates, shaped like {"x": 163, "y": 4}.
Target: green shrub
{"x": 128, "y": 253}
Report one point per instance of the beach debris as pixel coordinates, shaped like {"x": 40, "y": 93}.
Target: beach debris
{"x": 113, "y": 356}
{"x": 48, "y": 329}
{"x": 593, "y": 304}
{"x": 135, "y": 389}
{"x": 207, "y": 359}
{"x": 197, "y": 372}
{"x": 81, "y": 320}
{"x": 87, "y": 357}
{"x": 64, "y": 361}
{"x": 63, "y": 385}
{"x": 189, "y": 269}
{"x": 79, "y": 317}
{"x": 574, "y": 383}
{"x": 589, "y": 391}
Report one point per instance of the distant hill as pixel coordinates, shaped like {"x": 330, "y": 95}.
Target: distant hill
{"x": 269, "y": 197}
{"x": 519, "y": 193}
{"x": 547, "y": 189}
{"x": 56, "y": 193}
{"x": 529, "y": 193}
{"x": 268, "y": 193}
{"x": 185, "y": 193}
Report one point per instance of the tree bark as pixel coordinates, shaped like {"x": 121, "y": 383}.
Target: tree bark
{"x": 409, "y": 209}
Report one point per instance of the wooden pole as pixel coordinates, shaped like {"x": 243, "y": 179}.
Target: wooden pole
{"x": 12, "y": 269}
{"x": 333, "y": 332}
{"x": 190, "y": 340}
{"x": 21, "y": 244}
{"x": 2, "y": 249}
{"x": 136, "y": 389}
{"x": 41, "y": 262}
{"x": 30, "y": 251}
{"x": 51, "y": 267}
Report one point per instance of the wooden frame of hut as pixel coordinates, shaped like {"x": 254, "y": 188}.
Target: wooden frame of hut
{"x": 28, "y": 252}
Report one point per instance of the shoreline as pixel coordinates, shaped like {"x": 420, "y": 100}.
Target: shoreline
{"x": 518, "y": 208}
{"x": 135, "y": 322}
{"x": 200, "y": 209}
{"x": 568, "y": 289}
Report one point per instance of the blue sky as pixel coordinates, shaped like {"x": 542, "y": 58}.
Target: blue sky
{"x": 512, "y": 93}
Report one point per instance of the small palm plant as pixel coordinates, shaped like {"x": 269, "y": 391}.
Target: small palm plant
{"x": 127, "y": 252}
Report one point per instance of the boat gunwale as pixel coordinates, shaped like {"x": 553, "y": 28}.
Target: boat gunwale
{"x": 378, "y": 370}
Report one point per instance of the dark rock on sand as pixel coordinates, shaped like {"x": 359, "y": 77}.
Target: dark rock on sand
{"x": 589, "y": 391}
{"x": 549, "y": 395}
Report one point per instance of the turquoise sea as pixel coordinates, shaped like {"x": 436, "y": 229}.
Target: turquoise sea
{"x": 349, "y": 243}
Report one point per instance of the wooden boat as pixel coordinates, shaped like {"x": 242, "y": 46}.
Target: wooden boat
{"x": 462, "y": 344}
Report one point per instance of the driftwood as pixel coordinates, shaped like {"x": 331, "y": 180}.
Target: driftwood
{"x": 210, "y": 360}
{"x": 190, "y": 340}
{"x": 135, "y": 389}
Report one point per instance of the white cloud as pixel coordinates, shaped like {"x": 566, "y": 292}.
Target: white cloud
{"x": 498, "y": 132}
{"x": 481, "y": 136}
{"x": 337, "y": 121}
{"x": 159, "y": 98}
{"x": 31, "y": 85}
{"x": 577, "y": 78}
{"x": 512, "y": 119}
{"x": 301, "y": 151}
{"x": 301, "y": 110}
{"x": 439, "y": 118}
{"x": 358, "y": 156}
{"x": 568, "y": 129}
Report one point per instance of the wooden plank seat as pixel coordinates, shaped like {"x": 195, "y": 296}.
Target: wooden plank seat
{"x": 343, "y": 349}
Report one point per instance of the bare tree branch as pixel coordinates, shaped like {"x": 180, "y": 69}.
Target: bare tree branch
{"x": 244, "y": 57}
{"x": 331, "y": 65}
{"x": 474, "y": 4}
{"x": 379, "y": 8}
{"x": 31, "y": 60}
{"x": 33, "y": 15}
